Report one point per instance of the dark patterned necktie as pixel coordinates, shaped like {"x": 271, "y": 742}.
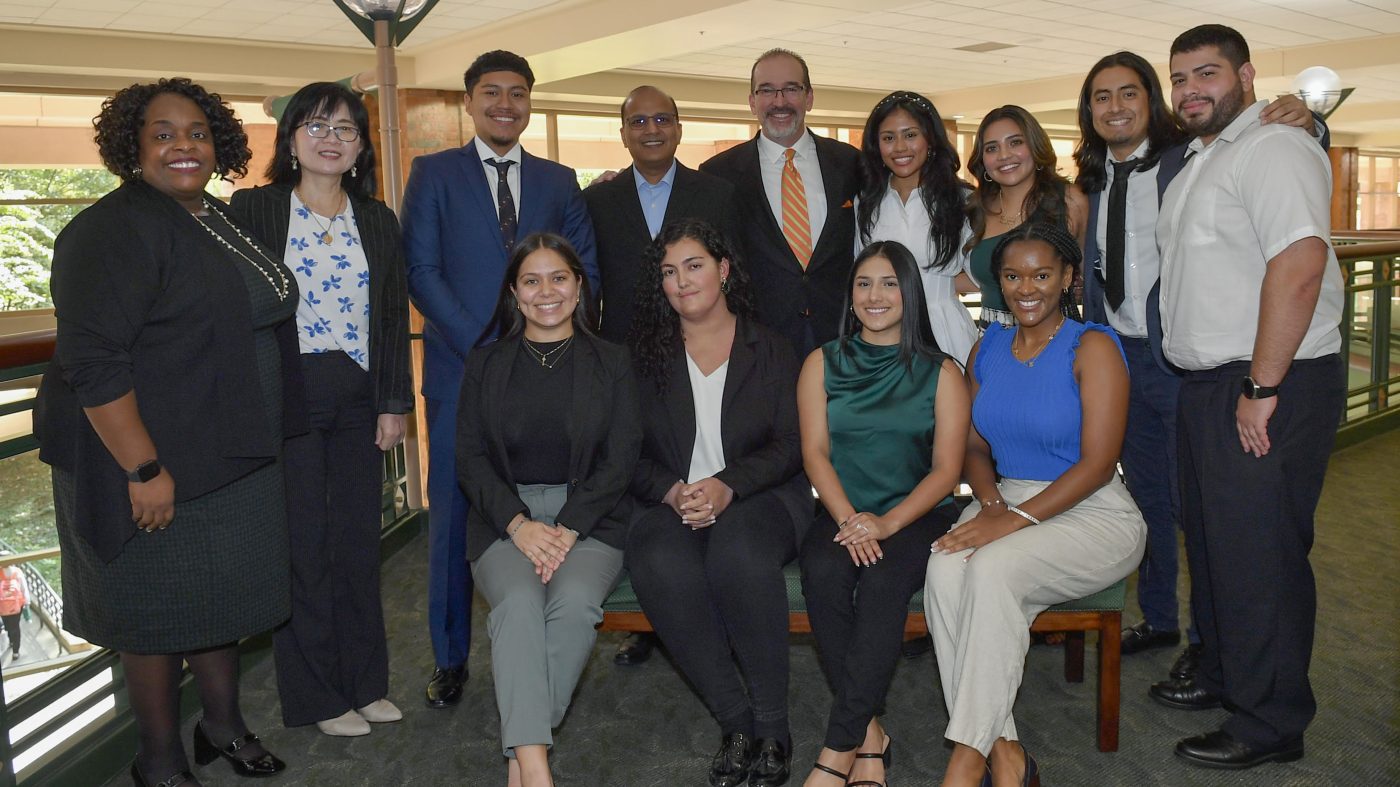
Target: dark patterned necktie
{"x": 1116, "y": 234}
{"x": 505, "y": 203}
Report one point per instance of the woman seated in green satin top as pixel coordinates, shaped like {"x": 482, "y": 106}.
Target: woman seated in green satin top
{"x": 884, "y": 419}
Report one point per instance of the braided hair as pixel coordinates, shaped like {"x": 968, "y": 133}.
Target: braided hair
{"x": 1066, "y": 248}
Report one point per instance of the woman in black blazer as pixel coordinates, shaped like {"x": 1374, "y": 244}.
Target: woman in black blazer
{"x": 720, "y": 492}
{"x": 342, "y": 247}
{"x": 547, "y": 440}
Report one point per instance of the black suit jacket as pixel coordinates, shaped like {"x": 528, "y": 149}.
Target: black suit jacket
{"x": 604, "y": 438}
{"x": 266, "y": 210}
{"x": 621, "y": 234}
{"x": 802, "y": 305}
{"x": 758, "y": 426}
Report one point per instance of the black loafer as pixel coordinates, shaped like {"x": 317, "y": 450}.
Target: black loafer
{"x": 1220, "y": 749}
{"x": 1143, "y": 637}
{"x": 730, "y": 767}
{"x": 772, "y": 764}
{"x": 1184, "y": 695}
{"x": 261, "y": 766}
{"x": 1185, "y": 666}
{"x": 636, "y": 649}
{"x": 445, "y": 687}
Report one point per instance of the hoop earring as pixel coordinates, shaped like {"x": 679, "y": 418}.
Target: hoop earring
{"x": 1039, "y": 167}
{"x": 987, "y": 176}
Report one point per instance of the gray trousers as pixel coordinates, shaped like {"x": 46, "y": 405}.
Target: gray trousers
{"x": 542, "y": 635}
{"x": 980, "y": 605}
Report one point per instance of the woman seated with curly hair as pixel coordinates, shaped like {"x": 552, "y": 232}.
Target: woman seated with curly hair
{"x": 720, "y": 492}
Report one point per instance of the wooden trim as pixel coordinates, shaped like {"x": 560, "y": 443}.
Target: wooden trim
{"x": 28, "y": 348}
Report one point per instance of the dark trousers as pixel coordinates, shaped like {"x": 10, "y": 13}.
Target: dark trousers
{"x": 449, "y": 576}
{"x": 13, "y": 630}
{"x": 858, "y": 615}
{"x": 1249, "y": 528}
{"x": 331, "y": 656}
{"x": 1149, "y": 468}
{"x": 717, "y": 594}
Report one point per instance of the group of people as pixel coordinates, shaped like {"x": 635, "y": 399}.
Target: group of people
{"x": 783, "y": 322}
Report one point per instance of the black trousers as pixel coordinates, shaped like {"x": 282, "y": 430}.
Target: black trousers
{"x": 858, "y": 615}
{"x": 13, "y": 630}
{"x": 717, "y": 594}
{"x": 1249, "y": 527}
{"x": 332, "y": 656}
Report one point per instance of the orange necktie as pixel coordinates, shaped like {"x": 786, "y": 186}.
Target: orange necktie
{"x": 797, "y": 227}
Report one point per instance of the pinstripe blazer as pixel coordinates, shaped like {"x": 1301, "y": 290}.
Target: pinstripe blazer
{"x": 266, "y": 210}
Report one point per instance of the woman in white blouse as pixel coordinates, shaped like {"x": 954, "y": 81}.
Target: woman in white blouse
{"x": 342, "y": 246}
{"x": 910, "y": 193}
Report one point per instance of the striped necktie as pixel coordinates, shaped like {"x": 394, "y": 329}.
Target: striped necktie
{"x": 797, "y": 227}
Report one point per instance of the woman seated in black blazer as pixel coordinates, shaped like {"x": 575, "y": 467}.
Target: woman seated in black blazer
{"x": 321, "y": 217}
{"x": 721, "y": 492}
{"x": 547, "y": 441}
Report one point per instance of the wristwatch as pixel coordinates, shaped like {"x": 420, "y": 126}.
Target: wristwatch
{"x": 1253, "y": 390}
{"x": 144, "y": 472}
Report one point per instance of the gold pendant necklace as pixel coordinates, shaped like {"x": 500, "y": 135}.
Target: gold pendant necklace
{"x": 1031, "y": 363}
{"x": 325, "y": 236}
{"x": 542, "y": 356}
{"x": 285, "y": 287}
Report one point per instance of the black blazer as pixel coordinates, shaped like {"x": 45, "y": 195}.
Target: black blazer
{"x": 267, "y": 211}
{"x": 758, "y": 426}
{"x": 803, "y": 306}
{"x": 146, "y": 301}
{"x": 620, "y": 231}
{"x": 604, "y": 438}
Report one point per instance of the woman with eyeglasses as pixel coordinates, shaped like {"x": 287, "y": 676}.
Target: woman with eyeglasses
{"x": 342, "y": 247}
{"x": 911, "y": 193}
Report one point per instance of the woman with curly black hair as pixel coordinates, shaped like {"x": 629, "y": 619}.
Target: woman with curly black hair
{"x": 163, "y": 415}
{"x": 721, "y": 499}
{"x": 911, "y": 193}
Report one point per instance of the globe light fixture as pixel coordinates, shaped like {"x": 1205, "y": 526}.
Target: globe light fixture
{"x": 1321, "y": 89}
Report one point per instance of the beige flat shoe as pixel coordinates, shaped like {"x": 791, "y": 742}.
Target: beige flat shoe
{"x": 381, "y": 711}
{"x": 347, "y": 725}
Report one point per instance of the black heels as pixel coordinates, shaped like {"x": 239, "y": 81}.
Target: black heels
{"x": 886, "y": 757}
{"x": 206, "y": 752}
{"x": 173, "y": 781}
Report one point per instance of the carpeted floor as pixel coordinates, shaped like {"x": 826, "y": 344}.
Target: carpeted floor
{"x": 641, "y": 726}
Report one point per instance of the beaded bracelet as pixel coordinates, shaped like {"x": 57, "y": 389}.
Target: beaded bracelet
{"x": 991, "y": 501}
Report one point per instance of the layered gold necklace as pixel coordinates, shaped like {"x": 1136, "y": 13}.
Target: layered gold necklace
{"x": 1030, "y": 362}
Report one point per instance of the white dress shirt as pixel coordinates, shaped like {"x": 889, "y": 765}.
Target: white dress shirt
{"x": 1141, "y": 265}
{"x": 707, "y": 458}
{"x": 1237, "y": 204}
{"x": 493, "y": 175}
{"x": 771, "y": 160}
{"x": 910, "y": 224}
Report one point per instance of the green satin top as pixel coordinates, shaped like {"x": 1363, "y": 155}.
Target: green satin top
{"x": 879, "y": 416}
{"x": 980, "y": 269}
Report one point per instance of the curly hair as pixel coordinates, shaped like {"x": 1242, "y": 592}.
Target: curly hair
{"x": 118, "y": 127}
{"x": 1064, "y": 245}
{"x": 655, "y": 332}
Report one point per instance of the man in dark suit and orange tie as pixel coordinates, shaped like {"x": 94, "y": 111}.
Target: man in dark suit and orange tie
{"x": 463, "y": 210}
{"x": 797, "y": 188}
{"x": 630, "y": 209}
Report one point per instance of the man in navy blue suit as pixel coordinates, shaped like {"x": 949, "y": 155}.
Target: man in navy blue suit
{"x": 463, "y": 210}
{"x": 1131, "y": 148}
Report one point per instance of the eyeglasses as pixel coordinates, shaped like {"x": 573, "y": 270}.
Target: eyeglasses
{"x": 319, "y": 130}
{"x": 661, "y": 120}
{"x": 791, "y": 92}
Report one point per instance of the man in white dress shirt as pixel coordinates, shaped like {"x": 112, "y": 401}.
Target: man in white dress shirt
{"x": 1251, "y": 299}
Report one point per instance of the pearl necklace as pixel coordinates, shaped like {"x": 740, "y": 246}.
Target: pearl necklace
{"x": 1031, "y": 363}
{"x": 286, "y": 287}
{"x": 543, "y": 357}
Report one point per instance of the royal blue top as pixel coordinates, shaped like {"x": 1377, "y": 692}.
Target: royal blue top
{"x": 1030, "y": 413}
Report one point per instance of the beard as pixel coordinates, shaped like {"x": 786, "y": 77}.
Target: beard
{"x": 1222, "y": 113}
{"x": 778, "y": 129}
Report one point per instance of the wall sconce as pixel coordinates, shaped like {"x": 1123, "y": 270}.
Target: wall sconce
{"x": 1321, "y": 89}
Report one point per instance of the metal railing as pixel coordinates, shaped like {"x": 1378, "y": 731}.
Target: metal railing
{"x": 1370, "y": 336}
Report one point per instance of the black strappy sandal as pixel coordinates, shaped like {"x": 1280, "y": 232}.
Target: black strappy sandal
{"x": 825, "y": 769}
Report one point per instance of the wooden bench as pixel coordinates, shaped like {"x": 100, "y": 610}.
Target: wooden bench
{"x": 1101, "y": 612}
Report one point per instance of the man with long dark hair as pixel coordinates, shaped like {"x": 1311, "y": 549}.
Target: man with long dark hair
{"x": 1251, "y": 299}
{"x": 1131, "y": 146}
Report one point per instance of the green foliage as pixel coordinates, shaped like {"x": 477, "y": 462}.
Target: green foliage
{"x": 27, "y": 232}
{"x": 26, "y": 510}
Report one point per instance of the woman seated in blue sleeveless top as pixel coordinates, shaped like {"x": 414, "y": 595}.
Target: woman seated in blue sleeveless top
{"x": 884, "y": 419}
{"x": 1050, "y": 403}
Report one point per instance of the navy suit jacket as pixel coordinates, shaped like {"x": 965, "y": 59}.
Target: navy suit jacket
{"x": 454, "y": 253}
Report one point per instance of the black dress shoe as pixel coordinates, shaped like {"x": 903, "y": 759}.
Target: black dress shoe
{"x": 772, "y": 764}
{"x": 916, "y": 647}
{"x": 730, "y": 767}
{"x": 173, "y": 781}
{"x": 445, "y": 687}
{"x": 205, "y": 752}
{"x": 1143, "y": 637}
{"x": 636, "y": 649}
{"x": 1220, "y": 749}
{"x": 1184, "y": 695}
{"x": 1185, "y": 666}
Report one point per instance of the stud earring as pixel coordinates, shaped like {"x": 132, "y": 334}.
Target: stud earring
{"x": 136, "y": 172}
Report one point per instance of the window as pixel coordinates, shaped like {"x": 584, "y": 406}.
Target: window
{"x": 1378, "y": 192}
